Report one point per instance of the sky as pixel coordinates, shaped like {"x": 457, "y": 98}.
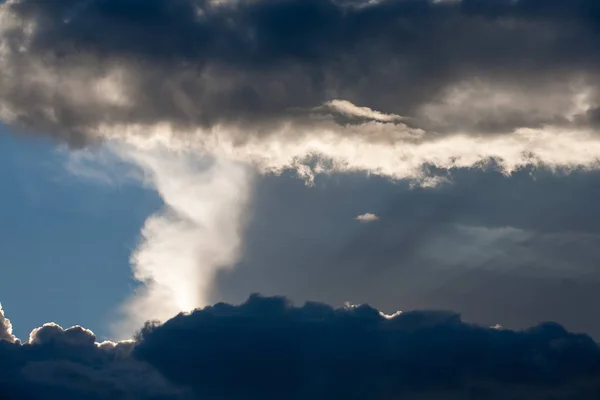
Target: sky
{"x": 65, "y": 239}
{"x": 299, "y": 199}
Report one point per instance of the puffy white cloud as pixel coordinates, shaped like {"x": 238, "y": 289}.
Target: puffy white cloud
{"x": 367, "y": 217}
{"x": 6, "y": 328}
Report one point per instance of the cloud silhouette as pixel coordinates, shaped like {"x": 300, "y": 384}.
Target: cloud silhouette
{"x": 267, "y": 348}
{"x": 59, "y": 363}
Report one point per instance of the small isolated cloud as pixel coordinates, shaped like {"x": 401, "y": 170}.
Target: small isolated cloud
{"x": 367, "y": 217}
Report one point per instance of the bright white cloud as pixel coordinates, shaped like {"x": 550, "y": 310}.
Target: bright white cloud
{"x": 388, "y": 150}
{"x": 6, "y": 330}
{"x": 367, "y": 217}
{"x": 197, "y": 232}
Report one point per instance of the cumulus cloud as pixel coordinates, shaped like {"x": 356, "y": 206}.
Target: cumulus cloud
{"x": 269, "y": 348}
{"x": 5, "y": 328}
{"x": 53, "y": 333}
{"x": 367, "y": 217}
{"x": 272, "y": 349}
{"x": 70, "y": 363}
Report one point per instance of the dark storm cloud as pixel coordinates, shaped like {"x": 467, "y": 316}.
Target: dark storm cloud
{"x": 271, "y": 349}
{"x": 266, "y": 348}
{"x": 61, "y": 363}
{"x": 193, "y": 63}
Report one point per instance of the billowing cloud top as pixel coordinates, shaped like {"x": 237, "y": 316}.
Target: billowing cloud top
{"x": 367, "y": 217}
{"x": 5, "y": 327}
{"x": 267, "y": 348}
{"x": 384, "y": 86}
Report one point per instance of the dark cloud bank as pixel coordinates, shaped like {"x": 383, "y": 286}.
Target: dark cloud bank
{"x": 192, "y": 63}
{"x": 268, "y": 349}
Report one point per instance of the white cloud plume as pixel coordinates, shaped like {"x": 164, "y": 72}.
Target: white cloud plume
{"x": 196, "y": 233}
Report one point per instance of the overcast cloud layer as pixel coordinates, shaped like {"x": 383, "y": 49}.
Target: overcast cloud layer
{"x": 379, "y": 86}
{"x": 268, "y": 349}
{"x": 192, "y": 63}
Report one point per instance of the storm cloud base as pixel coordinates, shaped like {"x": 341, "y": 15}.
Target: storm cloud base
{"x": 267, "y": 348}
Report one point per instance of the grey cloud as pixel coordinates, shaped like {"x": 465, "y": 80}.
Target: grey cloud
{"x": 509, "y": 250}
{"x": 71, "y": 66}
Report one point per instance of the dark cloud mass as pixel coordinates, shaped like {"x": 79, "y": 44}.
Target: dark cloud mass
{"x": 266, "y": 348}
{"x": 71, "y": 66}
{"x": 59, "y": 363}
